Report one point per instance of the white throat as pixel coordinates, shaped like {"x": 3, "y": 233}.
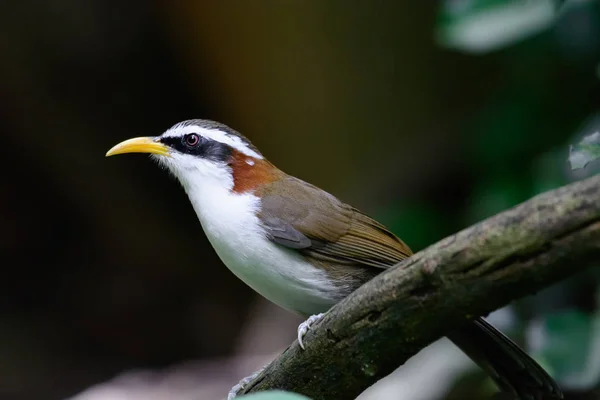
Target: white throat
{"x": 233, "y": 228}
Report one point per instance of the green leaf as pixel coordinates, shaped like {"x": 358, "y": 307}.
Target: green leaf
{"x": 480, "y": 26}
{"x": 274, "y": 395}
{"x": 586, "y": 151}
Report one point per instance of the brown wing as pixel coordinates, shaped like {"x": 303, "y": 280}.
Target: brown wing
{"x": 303, "y": 217}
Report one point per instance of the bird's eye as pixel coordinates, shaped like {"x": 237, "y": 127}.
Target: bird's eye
{"x": 192, "y": 139}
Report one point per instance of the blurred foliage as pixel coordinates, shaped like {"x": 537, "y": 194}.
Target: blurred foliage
{"x": 274, "y": 395}
{"x": 583, "y": 148}
{"x": 480, "y": 26}
{"x": 570, "y": 347}
{"x": 485, "y": 25}
{"x": 585, "y": 152}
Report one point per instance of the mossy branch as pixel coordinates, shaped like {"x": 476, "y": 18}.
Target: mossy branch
{"x": 471, "y": 273}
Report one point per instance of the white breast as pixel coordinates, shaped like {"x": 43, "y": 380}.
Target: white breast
{"x": 279, "y": 274}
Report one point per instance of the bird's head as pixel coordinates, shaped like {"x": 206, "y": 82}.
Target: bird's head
{"x": 201, "y": 152}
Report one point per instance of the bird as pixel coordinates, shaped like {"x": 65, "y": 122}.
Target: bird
{"x": 299, "y": 246}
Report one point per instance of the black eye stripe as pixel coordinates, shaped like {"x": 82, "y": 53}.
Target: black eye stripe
{"x": 198, "y": 146}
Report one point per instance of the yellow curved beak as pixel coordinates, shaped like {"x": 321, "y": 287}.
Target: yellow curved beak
{"x": 139, "y": 145}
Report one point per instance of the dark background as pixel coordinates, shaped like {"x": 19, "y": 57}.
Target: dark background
{"x": 425, "y": 115}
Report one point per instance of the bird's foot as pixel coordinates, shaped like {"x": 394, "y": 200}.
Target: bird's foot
{"x": 306, "y": 325}
{"x": 242, "y": 384}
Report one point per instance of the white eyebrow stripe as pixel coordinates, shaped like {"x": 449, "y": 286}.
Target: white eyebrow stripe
{"x": 216, "y": 135}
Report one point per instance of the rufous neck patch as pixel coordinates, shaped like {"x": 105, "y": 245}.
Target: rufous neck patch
{"x": 250, "y": 173}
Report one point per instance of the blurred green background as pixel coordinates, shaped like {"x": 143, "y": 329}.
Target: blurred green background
{"x": 430, "y": 116}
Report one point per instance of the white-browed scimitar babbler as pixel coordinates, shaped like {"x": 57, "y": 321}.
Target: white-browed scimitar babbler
{"x": 299, "y": 246}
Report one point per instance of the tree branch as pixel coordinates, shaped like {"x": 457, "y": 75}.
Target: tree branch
{"x": 486, "y": 266}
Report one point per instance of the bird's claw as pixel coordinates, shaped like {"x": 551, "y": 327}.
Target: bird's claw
{"x": 242, "y": 385}
{"x": 306, "y": 325}
{"x": 303, "y": 328}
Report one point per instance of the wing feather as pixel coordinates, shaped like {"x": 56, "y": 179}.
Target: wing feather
{"x": 303, "y": 217}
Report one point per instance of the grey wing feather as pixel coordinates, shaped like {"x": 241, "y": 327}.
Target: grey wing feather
{"x": 281, "y": 232}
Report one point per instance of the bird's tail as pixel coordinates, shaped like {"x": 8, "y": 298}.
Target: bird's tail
{"x": 510, "y": 367}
